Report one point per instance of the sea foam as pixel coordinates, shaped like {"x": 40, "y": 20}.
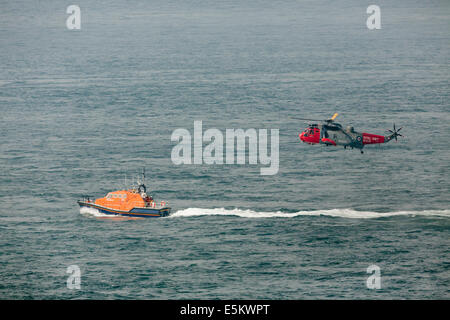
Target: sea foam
{"x": 343, "y": 213}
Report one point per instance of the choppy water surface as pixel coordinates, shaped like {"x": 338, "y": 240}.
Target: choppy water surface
{"x": 80, "y": 109}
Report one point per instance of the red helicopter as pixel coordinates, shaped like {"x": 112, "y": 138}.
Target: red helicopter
{"x": 332, "y": 133}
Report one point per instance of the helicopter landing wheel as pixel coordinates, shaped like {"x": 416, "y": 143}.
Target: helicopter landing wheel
{"x": 362, "y": 152}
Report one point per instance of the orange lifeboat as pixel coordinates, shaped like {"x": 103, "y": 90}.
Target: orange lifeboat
{"x": 132, "y": 202}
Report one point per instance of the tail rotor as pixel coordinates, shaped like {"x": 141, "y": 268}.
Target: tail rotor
{"x": 395, "y": 133}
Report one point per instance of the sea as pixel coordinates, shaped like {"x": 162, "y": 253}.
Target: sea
{"x": 83, "y": 111}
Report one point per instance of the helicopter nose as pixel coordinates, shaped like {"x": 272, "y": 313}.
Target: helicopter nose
{"x": 301, "y": 137}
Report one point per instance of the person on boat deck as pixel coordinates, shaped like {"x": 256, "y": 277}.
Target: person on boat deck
{"x": 148, "y": 200}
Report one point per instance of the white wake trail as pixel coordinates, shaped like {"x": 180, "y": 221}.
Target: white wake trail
{"x": 343, "y": 213}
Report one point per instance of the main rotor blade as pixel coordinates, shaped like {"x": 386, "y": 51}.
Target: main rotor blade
{"x": 307, "y": 119}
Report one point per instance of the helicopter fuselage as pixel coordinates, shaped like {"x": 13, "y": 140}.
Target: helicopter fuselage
{"x": 333, "y": 134}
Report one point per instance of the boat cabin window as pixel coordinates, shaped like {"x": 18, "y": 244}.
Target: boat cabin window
{"x": 115, "y": 195}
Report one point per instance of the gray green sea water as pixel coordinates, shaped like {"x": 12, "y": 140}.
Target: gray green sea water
{"x": 79, "y": 109}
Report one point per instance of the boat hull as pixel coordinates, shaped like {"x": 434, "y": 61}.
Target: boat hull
{"x": 135, "y": 212}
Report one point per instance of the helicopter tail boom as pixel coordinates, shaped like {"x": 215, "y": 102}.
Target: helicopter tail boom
{"x": 369, "y": 138}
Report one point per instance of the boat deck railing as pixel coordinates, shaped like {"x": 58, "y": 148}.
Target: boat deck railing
{"x": 88, "y": 199}
{"x": 153, "y": 204}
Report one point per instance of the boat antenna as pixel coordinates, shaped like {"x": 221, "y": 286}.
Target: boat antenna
{"x": 125, "y": 182}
